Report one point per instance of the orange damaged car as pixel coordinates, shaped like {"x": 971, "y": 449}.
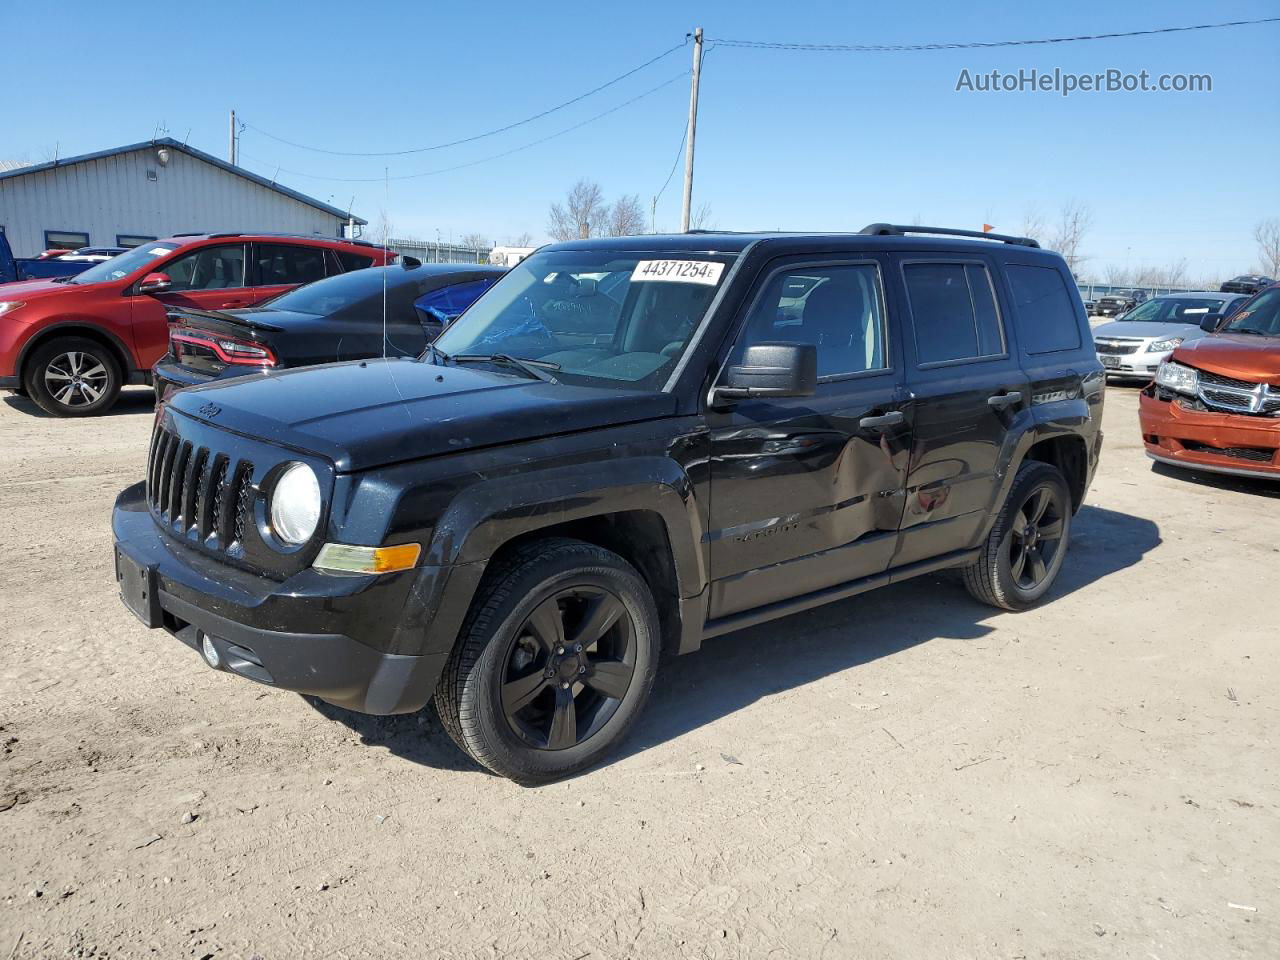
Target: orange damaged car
{"x": 1215, "y": 403}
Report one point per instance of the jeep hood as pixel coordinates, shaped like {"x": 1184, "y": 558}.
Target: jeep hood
{"x": 1238, "y": 355}
{"x": 365, "y": 414}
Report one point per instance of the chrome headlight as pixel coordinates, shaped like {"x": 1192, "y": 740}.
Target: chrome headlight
{"x": 1165, "y": 346}
{"x": 1178, "y": 378}
{"x": 295, "y": 504}
{"x": 8, "y": 306}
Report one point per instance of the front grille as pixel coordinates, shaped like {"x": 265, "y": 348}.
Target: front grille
{"x": 1218, "y": 380}
{"x": 1117, "y": 346}
{"x": 1253, "y": 454}
{"x": 198, "y": 493}
{"x": 1229, "y": 395}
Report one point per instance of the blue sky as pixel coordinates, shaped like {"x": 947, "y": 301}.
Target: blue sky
{"x": 823, "y": 141}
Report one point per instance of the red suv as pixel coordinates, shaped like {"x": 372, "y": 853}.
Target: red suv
{"x": 71, "y": 343}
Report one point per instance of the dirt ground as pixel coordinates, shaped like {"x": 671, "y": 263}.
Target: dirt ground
{"x": 905, "y": 774}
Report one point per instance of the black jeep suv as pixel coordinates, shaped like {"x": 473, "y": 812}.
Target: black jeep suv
{"x": 624, "y": 447}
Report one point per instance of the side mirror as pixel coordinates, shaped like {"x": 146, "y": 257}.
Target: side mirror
{"x": 1209, "y": 322}
{"x": 155, "y": 283}
{"x": 772, "y": 370}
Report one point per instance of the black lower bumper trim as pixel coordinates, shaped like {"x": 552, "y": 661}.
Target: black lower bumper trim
{"x": 335, "y": 668}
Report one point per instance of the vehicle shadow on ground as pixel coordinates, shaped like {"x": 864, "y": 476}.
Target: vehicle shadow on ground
{"x": 732, "y": 672}
{"x": 132, "y": 401}
{"x": 1221, "y": 481}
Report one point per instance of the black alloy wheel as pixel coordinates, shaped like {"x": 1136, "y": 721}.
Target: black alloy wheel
{"x": 554, "y": 662}
{"x": 568, "y": 667}
{"x": 1037, "y": 537}
{"x": 1025, "y": 550}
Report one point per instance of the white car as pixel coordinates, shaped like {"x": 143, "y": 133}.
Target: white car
{"x": 1132, "y": 347}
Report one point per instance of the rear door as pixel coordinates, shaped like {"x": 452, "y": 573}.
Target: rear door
{"x": 806, "y": 491}
{"x": 965, "y": 387}
{"x": 278, "y": 267}
{"x": 210, "y": 277}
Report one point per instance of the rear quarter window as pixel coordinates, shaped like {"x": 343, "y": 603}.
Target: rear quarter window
{"x": 1044, "y": 312}
{"x": 353, "y": 261}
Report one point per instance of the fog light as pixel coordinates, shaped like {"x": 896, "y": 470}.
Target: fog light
{"x": 209, "y": 651}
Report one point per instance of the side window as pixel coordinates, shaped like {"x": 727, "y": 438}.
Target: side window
{"x": 209, "y": 268}
{"x": 281, "y": 265}
{"x": 954, "y": 312}
{"x": 1046, "y": 315}
{"x": 353, "y": 261}
{"x": 839, "y": 309}
{"x": 453, "y": 299}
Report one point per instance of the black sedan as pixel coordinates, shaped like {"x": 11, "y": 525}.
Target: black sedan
{"x": 338, "y": 318}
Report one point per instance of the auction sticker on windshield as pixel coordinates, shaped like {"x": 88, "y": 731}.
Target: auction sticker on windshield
{"x": 678, "y": 271}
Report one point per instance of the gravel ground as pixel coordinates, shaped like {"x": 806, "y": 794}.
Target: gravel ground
{"x": 905, "y": 774}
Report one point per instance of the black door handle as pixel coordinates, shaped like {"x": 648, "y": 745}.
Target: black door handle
{"x": 1003, "y": 400}
{"x": 891, "y": 419}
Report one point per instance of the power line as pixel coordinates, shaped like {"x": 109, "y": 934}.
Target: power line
{"x": 497, "y": 156}
{"x": 906, "y": 47}
{"x": 478, "y": 136}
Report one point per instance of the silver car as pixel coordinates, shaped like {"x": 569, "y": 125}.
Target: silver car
{"x": 1132, "y": 347}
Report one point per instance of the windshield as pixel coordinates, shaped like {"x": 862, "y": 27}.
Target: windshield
{"x": 602, "y": 317}
{"x": 1259, "y": 315}
{"x": 126, "y": 263}
{"x": 1174, "y": 310}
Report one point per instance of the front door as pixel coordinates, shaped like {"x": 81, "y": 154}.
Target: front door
{"x": 208, "y": 278}
{"x": 965, "y": 389}
{"x": 806, "y": 491}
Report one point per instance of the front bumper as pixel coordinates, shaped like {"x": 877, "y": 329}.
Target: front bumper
{"x": 328, "y": 636}
{"x": 1132, "y": 365}
{"x": 1227, "y": 443}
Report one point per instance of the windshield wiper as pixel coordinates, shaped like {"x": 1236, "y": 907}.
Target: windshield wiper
{"x": 534, "y": 368}
{"x": 1253, "y": 330}
{"x": 66, "y": 279}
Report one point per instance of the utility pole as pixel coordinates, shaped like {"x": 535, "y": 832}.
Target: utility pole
{"x": 231, "y": 146}
{"x": 693, "y": 130}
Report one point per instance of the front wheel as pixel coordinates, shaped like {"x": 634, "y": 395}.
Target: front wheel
{"x": 1028, "y": 542}
{"x": 554, "y": 663}
{"x": 73, "y": 377}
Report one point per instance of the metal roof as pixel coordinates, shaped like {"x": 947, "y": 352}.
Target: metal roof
{"x": 191, "y": 151}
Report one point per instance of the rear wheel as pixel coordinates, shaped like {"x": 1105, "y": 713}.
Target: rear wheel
{"x": 73, "y": 377}
{"x": 554, "y": 664}
{"x": 1026, "y": 547}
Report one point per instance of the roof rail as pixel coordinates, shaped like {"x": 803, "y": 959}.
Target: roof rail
{"x": 193, "y": 233}
{"x": 898, "y": 230}
{"x": 272, "y": 233}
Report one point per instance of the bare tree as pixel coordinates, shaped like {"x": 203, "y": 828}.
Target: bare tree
{"x": 626, "y": 217}
{"x": 1175, "y": 274}
{"x": 702, "y": 218}
{"x": 380, "y": 229}
{"x": 584, "y": 213}
{"x": 1118, "y": 276}
{"x": 522, "y": 240}
{"x": 476, "y": 241}
{"x": 1267, "y": 233}
{"x": 1033, "y": 223}
{"x": 1074, "y": 222}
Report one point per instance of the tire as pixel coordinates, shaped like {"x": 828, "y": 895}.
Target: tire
{"x": 73, "y": 377}
{"x": 515, "y": 704}
{"x": 1014, "y": 572}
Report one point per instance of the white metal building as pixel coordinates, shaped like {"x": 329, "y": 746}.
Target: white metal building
{"x": 129, "y": 195}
